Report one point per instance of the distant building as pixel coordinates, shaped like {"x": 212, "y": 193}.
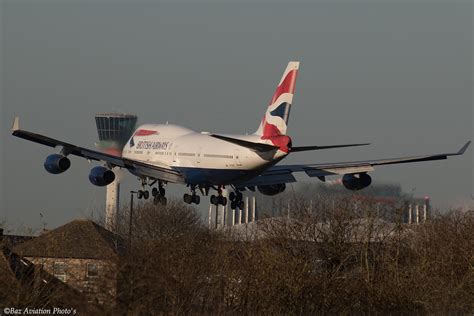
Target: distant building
{"x": 82, "y": 254}
{"x": 388, "y": 200}
{"x": 114, "y": 130}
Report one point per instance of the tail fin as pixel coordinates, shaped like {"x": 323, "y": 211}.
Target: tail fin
{"x": 275, "y": 121}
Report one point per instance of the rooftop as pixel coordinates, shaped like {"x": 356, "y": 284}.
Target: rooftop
{"x": 116, "y": 115}
{"x": 77, "y": 239}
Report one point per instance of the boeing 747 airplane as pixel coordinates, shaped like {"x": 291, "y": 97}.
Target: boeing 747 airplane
{"x": 164, "y": 153}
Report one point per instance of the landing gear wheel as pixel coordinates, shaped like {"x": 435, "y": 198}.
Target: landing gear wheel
{"x": 222, "y": 200}
{"x": 235, "y": 197}
{"x": 154, "y": 192}
{"x": 214, "y": 200}
{"x": 140, "y": 194}
{"x": 241, "y": 205}
{"x": 196, "y": 199}
{"x": 146, "y": 194}
{"x": 187, "y": 198}
{"x": 233, "y": 205}
{"x": 162, "y": 191}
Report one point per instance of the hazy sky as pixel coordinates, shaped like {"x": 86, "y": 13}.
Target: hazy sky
{"x": 397, "y": 74}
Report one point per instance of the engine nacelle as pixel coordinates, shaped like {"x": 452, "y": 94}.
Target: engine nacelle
{"x": 57, "y": 163}
{"x": 356, "y": 182}
{"x": 271, "y": 189}
{"x": 101, "y": 176}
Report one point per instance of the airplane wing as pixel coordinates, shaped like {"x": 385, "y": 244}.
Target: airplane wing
{"x": 283, "y": 173}
{"x": 137, "y": 167}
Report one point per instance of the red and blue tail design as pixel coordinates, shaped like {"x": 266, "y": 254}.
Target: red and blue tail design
{"x": 275, "y": 121}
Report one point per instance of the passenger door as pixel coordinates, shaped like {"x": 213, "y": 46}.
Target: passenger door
{"x": 237, "y": 157}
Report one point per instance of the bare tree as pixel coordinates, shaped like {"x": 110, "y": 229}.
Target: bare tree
{"x": 333, "y": 256}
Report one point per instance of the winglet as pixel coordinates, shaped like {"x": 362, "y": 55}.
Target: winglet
{"x": 16, "y": 124}
{"x": 463, "y": 148}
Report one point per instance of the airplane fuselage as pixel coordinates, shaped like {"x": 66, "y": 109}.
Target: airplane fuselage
{"x": 202, "y": 159}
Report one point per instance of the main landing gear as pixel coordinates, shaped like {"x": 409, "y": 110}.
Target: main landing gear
{"x": 219, "y": 199}
{"x": 235, "y": 197}
{"x": 157, "y": 193}
{"x": 192, "y": 198}
{"x": 236, "y": 200}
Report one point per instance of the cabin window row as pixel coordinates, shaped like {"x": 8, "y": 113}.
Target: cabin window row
{"x": 188, "y": 154}
{"x": 218, "y": 156}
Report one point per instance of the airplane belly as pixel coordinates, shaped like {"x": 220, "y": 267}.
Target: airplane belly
{"x": 207, "y": 176}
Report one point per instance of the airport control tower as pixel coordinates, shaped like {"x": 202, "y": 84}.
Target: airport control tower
{"x": 114, "y": 131}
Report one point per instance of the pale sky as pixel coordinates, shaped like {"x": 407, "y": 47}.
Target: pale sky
{"x": 397, "y": 74}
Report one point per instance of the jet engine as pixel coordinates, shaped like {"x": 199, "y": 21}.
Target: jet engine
{"x": 271, "y": 189}
{"x": 356, "y": 181}
{"x": 101, "y": 176}
{"x": 57, "y": 163}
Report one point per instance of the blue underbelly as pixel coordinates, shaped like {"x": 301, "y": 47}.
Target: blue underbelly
{"x": 205, "y": 176}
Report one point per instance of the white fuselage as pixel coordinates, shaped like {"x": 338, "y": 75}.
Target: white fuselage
{"x": 201, "y": 158}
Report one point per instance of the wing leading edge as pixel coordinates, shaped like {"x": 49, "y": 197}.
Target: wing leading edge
{"x": 135, "y": 166}
{"x": 283, "y": 172}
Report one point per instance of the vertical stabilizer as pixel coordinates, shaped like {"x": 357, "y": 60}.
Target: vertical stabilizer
{"x": 275, "y": 121}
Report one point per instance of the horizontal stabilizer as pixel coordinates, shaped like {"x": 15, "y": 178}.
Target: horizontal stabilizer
{"x": 251, "y": 145}
{"x": 306, "y": 148}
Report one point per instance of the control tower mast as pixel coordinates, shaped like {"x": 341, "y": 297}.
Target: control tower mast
{"x": 114, "y": 131}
